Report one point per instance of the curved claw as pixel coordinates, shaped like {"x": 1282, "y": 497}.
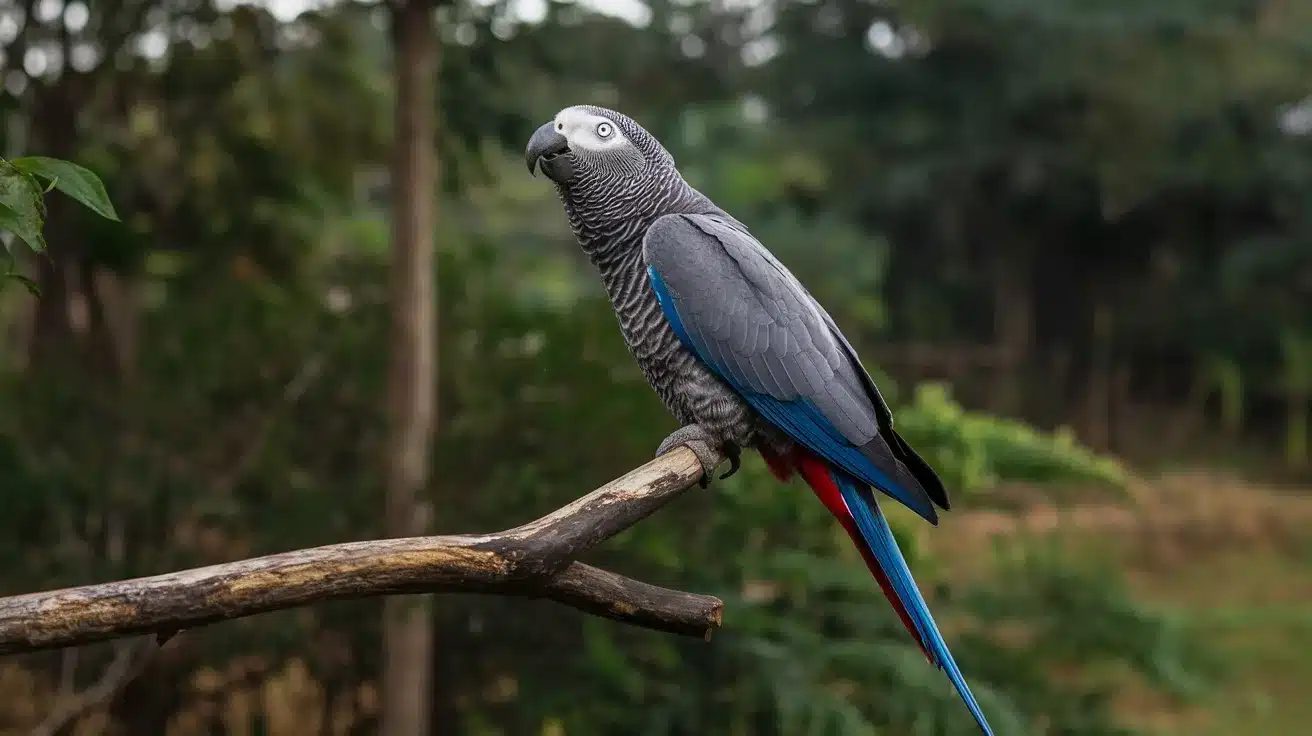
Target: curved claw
{"x": 735, "y": 462}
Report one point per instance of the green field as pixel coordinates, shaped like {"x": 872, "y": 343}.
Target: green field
{"x": 1256, "y": 607}
{"x": 1233, "y": 560}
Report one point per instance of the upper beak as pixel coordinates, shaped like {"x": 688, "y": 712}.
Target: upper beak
{"x": 544, "y": 144}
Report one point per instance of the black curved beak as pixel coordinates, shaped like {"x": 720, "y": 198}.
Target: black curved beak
{"x": 545, "y": 145}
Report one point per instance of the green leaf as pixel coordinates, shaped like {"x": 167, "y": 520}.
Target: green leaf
{"x": 76, "y": 181}
{"x": 22, "y": 210}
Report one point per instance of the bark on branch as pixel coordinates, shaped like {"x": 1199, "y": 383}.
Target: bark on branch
{"x": 536, "y": 560}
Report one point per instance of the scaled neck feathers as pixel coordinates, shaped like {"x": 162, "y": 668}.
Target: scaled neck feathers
{"x": 609, "y": 221}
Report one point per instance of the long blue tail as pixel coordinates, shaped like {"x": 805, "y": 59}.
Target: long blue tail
{"x": 878, "y": 536}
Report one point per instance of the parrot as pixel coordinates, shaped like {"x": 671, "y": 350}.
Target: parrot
{"x": 737, "y": 349}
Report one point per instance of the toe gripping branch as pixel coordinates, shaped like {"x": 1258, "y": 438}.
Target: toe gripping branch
{"x": 710, "y": 453}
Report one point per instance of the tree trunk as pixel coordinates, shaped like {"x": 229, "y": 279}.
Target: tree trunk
{"x": 1097, "y": 399}
{"x": 1013, "y": 330}
{"x": 407, "y": 625}
{"x": 54, "y": 133}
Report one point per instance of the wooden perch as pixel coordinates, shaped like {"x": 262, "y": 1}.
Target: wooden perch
{"x": 536, "y": 560}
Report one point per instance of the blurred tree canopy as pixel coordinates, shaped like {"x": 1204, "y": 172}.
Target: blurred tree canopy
{"x": 1045, "y": 205}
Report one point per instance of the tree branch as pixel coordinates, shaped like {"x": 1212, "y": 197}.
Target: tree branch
{"x": 130, "y": 658}
{"x": 536, "y": 560}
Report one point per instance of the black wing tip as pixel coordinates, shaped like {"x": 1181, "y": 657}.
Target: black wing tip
{"x": 932, "y": 516}
{"x": 920, "y": 470}
{"x": 924, "y": 511}
{"x": 883, "y": 456}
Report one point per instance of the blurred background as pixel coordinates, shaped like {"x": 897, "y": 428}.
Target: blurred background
{"x": 1073, "y": 239}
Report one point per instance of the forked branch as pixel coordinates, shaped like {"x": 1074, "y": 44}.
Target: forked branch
{"x": 536, "y": 560}
{"x": 130, "y": 657}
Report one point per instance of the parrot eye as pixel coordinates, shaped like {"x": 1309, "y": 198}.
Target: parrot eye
{"x": 604, "y": 130}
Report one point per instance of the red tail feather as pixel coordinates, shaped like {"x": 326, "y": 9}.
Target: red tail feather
{"x": 816, "y": 473}
{"x": 780, "y": 467}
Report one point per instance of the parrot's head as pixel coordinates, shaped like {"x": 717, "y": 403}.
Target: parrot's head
{"x": 590, "y": 150}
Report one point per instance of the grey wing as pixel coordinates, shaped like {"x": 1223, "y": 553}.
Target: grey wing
{"x": 760, "y": 324}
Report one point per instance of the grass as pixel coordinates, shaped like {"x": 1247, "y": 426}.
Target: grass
{"x": 1233, "y": 559}
{"x": 1256, "y": 610}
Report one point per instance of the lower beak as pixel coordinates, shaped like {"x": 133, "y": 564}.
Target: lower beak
{"x": 545, "y": 145}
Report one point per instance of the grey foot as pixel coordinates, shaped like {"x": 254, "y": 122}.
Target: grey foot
{"x": 703, "y": 445}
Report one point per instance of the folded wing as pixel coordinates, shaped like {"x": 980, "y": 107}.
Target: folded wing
{"x": 744, "y": 314}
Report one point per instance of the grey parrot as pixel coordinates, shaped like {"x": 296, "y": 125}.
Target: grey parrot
{"x": 739, "y": 351}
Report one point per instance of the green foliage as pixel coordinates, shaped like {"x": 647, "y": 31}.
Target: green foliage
{"x": 22, "y": 200}
{"x": 1297, "y": 358}
{"x": 1080, "y": 619}
{"x": 23, "y": 213}
{"x": 973, "y": 450}
{"x": 75, "y": 181}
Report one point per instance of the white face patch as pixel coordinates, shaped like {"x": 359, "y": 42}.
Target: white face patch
{"x": 589, "y": 132}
